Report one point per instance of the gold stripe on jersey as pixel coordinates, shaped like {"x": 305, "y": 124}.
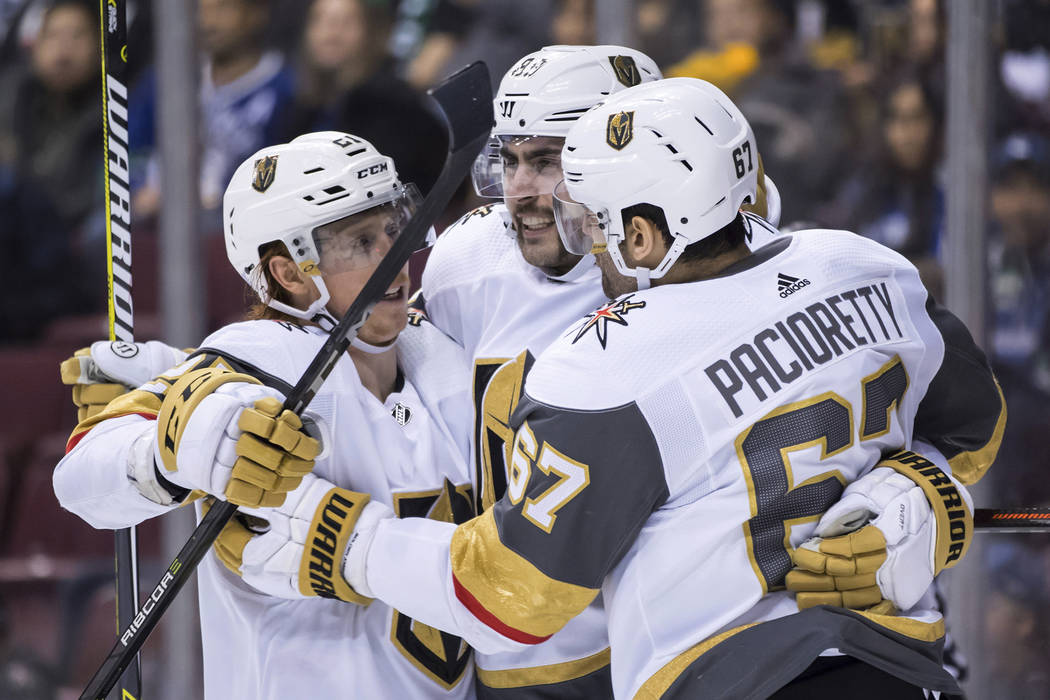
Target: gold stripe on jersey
{"x": 969, "y": 467}
{"x": 508, "y": 586}
{"x": 659, "y": 682}
{"x": 543, "y": 675}
{"x": 143, "y": 403}
{"x": 907, "y": 626}
{"x": 954, "y": 519}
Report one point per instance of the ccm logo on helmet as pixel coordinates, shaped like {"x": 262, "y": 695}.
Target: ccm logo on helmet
{"x": 371, "y": 170}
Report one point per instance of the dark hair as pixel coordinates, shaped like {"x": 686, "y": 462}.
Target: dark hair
{"x": 725, "y": 239}
{"x": 259, "y": 310}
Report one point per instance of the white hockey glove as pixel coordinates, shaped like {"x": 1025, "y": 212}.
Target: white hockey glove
{"x": 315, "y": 544}
{"x": 107, "y": 369}
{"x": 224, "y": 433}
{"x": 894, "y": 529}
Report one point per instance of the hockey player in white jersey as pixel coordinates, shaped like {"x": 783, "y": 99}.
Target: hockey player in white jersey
{"x": 500, "y": 282}
{"x": 306, "y": 223}
{"x": 672, "y": 449}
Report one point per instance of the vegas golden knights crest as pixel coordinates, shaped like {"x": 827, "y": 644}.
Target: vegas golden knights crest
{"x": 265, "y": 171}
{"x": 620, "y": 130}
{"x": 626, "y": 70}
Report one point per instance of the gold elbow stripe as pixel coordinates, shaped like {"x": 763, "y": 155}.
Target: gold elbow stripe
{"x": 507, "y": 592}
{"x": 969, "y": 467}
{"x": 954, "y": 519}
{"x": 138, "y": 402}
{"x": 543, "y": 675}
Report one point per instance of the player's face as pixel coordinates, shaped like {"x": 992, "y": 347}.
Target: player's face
{"x": 531, "y": 169}
{"x": 350, "y": 250}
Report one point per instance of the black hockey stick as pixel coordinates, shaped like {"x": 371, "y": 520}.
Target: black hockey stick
{"x": 1034, "y": 519}
{"x": 114, "y": 28}
{"x": 465, "y": 99}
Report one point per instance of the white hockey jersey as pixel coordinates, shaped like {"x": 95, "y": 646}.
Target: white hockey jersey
{"x": 404, "y": 454}
{"x": 479, "y": 289}
{"x": 672, "y": 446}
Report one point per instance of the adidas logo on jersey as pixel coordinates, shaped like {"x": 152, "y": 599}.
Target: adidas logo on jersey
{"x": 788, "y": 285}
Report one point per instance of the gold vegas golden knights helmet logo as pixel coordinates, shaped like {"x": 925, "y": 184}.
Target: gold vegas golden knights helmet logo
{"x": 264, "y": 173}
{"x": 620, "y": 130}
{"x": 626, "y": 70}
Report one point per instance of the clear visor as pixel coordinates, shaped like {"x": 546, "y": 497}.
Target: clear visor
{"x": 362, "y": 239}
{"x": 518, "y": 166}
{"x": 581, "y": 230}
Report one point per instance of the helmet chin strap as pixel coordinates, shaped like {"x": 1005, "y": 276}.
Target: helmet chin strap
{"x": 642, "y": 275}
{"x": 578, "y": 270}
{"x": 368, "y": 347}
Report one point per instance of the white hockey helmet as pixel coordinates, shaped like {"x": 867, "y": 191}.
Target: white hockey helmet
{"x": 285, "y": 192}
{"x": 679, "y": 144}
{"x": 547, "y": 91}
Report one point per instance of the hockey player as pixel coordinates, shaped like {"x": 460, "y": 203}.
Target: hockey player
{"x": 672, "y": 449}
{"x": 306, "y": 223}
{"x": 501, "y": 283}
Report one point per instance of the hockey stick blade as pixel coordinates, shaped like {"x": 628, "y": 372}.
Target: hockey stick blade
{"x": 465, "y": 100}
{"x": 1012, "y": 520}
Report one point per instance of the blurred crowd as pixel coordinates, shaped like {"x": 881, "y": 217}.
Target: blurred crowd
{"x": 847, "y": 100}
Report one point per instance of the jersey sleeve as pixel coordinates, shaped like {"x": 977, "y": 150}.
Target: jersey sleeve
{"x": 92, "y": 479}
{"x": 581, "y": 485}
{"x": 963, "y": 413}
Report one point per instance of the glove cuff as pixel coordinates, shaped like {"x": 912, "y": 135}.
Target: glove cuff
{"x": 326, "y": 544}
{"x": 953, "y": 516}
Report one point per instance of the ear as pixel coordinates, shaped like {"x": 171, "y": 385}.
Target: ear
{"x": 644, "y": 244}
{"x": 288, "y": 275}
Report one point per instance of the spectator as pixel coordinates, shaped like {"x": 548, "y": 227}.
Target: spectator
{"x": 798, "y": 113}
{"x": 896, "y": 198}
{"x": 1019, "y": 257}
{"x": 51, "y": 113}
{"x": 666, "y": 29}
{"x": 427, "y": 33}
{"x": 243, "y": 89}
{"x": 505, "y": 30}
{"x": 50, "y": 173}
{"x": 573, "y": 23}
{"x": 1015, "y": 619}
{"x": 346, "y": 80}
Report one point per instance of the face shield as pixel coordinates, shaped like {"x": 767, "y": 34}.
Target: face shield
{"x": 360, "y": 240}
{"x": 518, "y": 166}
{"x": 581, "y": 230}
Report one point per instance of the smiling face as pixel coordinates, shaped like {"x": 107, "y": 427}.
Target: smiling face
{"x": 350, "y": 249}
{"x": 531, "y": 170}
